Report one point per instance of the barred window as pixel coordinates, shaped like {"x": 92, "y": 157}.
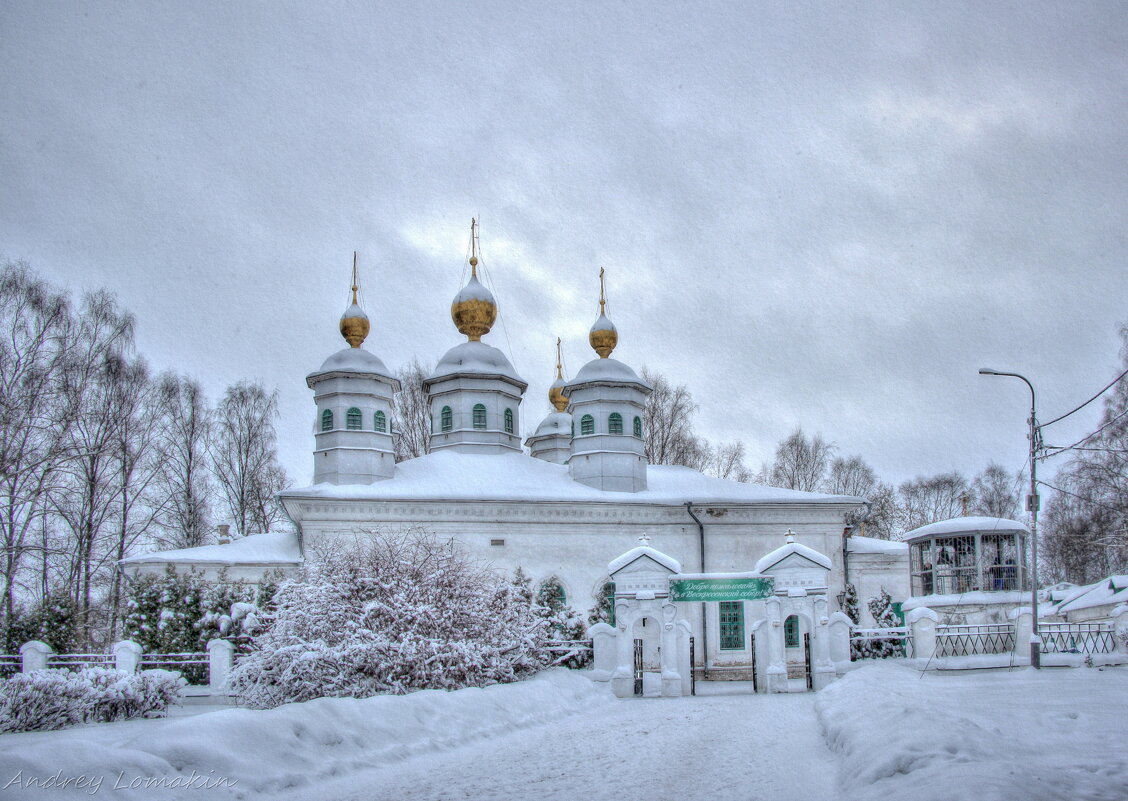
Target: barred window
{"x": 327, "y": 420}
{"x": 508, "y": 421}
{"x": 381, "y": 422}
{"x": 732, "y": 625}
{"x": 791, "y": 632}
{"x": 447, "y": 419}
{"x": 638, "y": 427}
{"x": 479, "y": 416}
{"x": 352, "y": 419}
{"x": 615, "y": 423}
{"x": 587, "y": 424}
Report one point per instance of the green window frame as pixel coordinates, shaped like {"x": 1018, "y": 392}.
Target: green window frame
{"x": 447, "y": 419}
{"x": 615, "y": 423}
{"x": 638, "y": 427}
{"x": 479, "y": 416}
{"x": 381, "y": 422}
{"x": 732, "y": 625}
{"x": 508, "y": 421}
{"x": 587, "y": 425}
{"x": 353, "y": 419}
{"x": 791, "y": 632}
{"x": 327, "y": 420}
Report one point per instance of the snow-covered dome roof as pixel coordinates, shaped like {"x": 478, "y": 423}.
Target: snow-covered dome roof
{"x": 351, "y": 360}
{"x": 607, "y": 370}
{"x": 555, "y": 423}
{"x": 475, "y": 357}
{"x": 962, "y": 525}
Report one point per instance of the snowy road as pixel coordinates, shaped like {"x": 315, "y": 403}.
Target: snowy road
{"x": 658, "y": 749}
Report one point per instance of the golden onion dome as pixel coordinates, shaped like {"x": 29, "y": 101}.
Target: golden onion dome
{"x": 354, "y": 322}
{"x": 556, "y": 395}
{"x": 474, "y": 309}
{"x": 603, "y": 335}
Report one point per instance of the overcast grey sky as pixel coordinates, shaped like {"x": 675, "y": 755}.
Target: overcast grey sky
{"x": 828, "y": 215}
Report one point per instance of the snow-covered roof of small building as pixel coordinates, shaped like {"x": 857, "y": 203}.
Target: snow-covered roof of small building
{"x": 351, "y": 360}
{"x": 449, "y": 475}
{"x": 275, "y": 548}
{"x": 668, "y": 562}
{"x": 784, "y": 551}
{"x": 555, "y": 423}
{"x": 961, "y": 525}
{"x": 856, "y": 544}
{"x": 607, "y": 370}
{"x": 475, "y": 357}
{"x": 1111, "y": 590}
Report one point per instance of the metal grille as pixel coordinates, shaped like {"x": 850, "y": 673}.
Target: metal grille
{"x": 974, "y": 640}
{"x": 732, "y": 625}
{"x": 1077, "y": 638}
{"x": 638, "y": 667}
{"x": 80, "y": 660}
{"x": 192, "y": 666}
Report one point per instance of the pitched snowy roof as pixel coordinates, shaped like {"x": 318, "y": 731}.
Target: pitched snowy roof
{"x": 1111, "y": 590}
{"x": 448, "y": 475}
{"x": 280, "y": 548}
{"x": 607, "y": 370}
{"x": 962, "y": 525}
{"x": 781, "y": 553}
{"x": 668, "y": 562}
{"x": 856, "y": 544}
{"x": 350, "y": 360}
{"x": 475, "y": 357}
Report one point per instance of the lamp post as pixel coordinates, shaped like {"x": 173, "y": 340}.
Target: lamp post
{"x": 1032, "y": 504}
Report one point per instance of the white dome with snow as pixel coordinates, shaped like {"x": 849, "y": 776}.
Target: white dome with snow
{"x": 555, "y": 423}
{"x": 607, "y": 370}
{"x": 474, "y": 290}
{"x": 352, "y": 360}
{"x": 475, "y": 357}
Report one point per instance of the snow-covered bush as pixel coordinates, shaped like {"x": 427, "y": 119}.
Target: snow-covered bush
{"x": 564, "y": 623}
{"x": 881, "y": 608}
{"x": 603, "y": 611}
{"x": 390, "y": 613}
{"x": 52, "y": 699}
{"x": 55, "y": 621}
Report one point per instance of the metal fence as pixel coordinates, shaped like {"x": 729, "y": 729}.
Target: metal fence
{"x": 1077, "y": 638}
{"x": 887, "y": 643}
{"x": 571, "y": 653}
{"x": 974, "y": 640}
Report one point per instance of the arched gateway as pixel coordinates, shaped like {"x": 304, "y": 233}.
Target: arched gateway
{"x": 777, "y": 613}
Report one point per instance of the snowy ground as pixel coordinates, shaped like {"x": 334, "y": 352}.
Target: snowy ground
{"x": 1057, "y": 734}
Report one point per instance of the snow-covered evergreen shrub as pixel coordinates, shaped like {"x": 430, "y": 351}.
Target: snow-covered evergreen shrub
{"x": 53, "y": 699}
{"x": 859, "y": 649}
{"x": 604, "y": 609}
{"x": 55, "y": 621}
{"x": 564, "y": 623}
{"x": 390, "y": 614}
{"x": 881, "y": 608}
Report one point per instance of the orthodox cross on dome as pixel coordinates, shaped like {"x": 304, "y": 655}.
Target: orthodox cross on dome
{"x": 603, "y": 337}
{"x": 555, "y": 392}
{"x": 474, "y": 309}
{"x": 354, "y": 322}
{"x": 644, "y": 539}
{"x": 790, "y": 536}
{"x": 602, "y": 292}
{"x": 473, "y": 247}
{"x": 559, "y": 362}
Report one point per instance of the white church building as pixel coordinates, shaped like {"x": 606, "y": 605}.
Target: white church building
{"x": 563, "y": 510}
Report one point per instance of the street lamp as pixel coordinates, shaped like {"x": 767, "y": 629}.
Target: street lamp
{"x": 1032, "y": 504}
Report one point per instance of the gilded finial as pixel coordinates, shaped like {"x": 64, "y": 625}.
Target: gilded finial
{"x": 354, "y": 322}
{"x": 603, "y": 336}
{"x": 474, "y": 309}
{"x": 555, "y": 392}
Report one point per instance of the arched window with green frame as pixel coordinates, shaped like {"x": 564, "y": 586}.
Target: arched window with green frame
{"x": 587, "y": 425}
{"x": 638, "y": 427}
{"x": 508, "y": 421}
{"x": 327, "y": 420}
{"x": 381, "y": 422}
{"x": 447, "y": 419}
{"x": 615, "y": 423}
{"x": 479, "y": 415}
{"x": 353, "y": 419}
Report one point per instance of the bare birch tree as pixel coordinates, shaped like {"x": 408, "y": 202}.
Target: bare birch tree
{"x": 801, "y": 462}
{"x": 411, "y": 414}
{"x": 668, "y": 424}
{"x": 184, "y": 488}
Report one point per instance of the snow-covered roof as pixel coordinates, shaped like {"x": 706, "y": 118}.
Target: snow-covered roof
{"x": 449, "y": 475}
{"x": 784, "y": 551}
{"x": 275, "y": 548}
{"x": 961, "y": 525}
{"x": 987, "y": 597}
{"x": 475, "y": 357}
{"x": 1111, "y": 590}
{"x": 856, "y": 544}
{"x": 603, "y": 324}
{"x": 668, "y": 562}
{"x": 555, "y": 423}
{"x": 474, "y": 290}
{"x": 607, "y": 370}
{"x": 351, "y": 360}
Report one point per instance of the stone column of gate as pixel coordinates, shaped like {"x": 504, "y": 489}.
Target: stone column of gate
{"x": 622, "y": 680}
{"x": 777, "y": 669}
{"x": 823, "y": 667}
{"x": 671, "y": 678}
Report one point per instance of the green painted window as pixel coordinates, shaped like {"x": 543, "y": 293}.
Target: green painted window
{"x": 327, "y": 420}
{"x": 732, "y": 625}
{"x": 791, "y": 632}
{"x": 479, "y": 416}
{"x": 447, "y": 419}
{"x": 352, "y": 419}
{"x": 381, "y": 422}
{"x": 638, "y": 427}
{"x": 587, "y": 424}
{"x": 615, "y": 423}
{"x": 508, "y": 421}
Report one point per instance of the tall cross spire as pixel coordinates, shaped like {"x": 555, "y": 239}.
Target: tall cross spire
{"x": 354, "y": 280}
{"x": 474, "y": 247}
{"x": 559, "y": 363}
{"x": 602, "y": 293}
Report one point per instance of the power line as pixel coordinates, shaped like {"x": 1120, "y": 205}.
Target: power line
{"x": 1080, "y": 497}
{"x": 1086, "y": 403}
{"x": 1085, "y": 438}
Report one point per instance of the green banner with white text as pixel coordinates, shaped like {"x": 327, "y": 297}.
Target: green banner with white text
{"x": 721, "y": 589}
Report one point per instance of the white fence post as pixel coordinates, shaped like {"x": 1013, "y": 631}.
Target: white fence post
{"x": 34, "y": 655}
{"x": 603, "y": 651}
{"x": 922, "y": 623}
{"x": 127, "y": 656}
{"x": 839, "y": 629}
{"x": 221, "y": 656}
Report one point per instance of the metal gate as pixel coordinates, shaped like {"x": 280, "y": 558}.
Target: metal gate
{"x": 752, "y": 646}
{"x": 692, "y": 672}
{"x": 807, "y": 661}
{"x": 638, "y": 667}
